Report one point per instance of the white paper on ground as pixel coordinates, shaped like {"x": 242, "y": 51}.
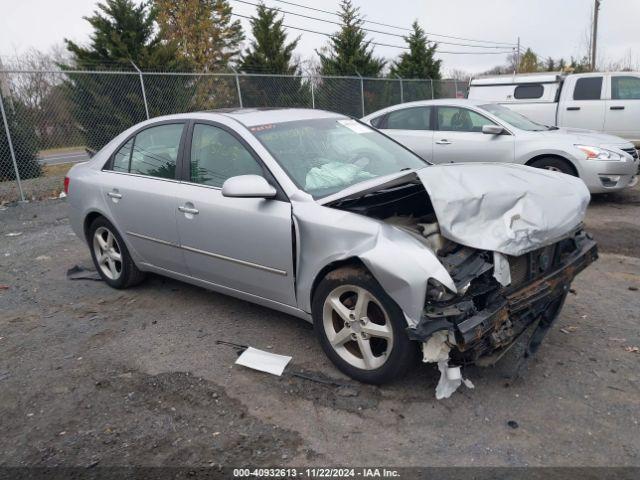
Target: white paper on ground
{"x": 263, "y": 361}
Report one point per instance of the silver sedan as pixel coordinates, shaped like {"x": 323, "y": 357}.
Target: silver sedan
{"x": 325, "y": 218}
{"x": 458, "y": 130}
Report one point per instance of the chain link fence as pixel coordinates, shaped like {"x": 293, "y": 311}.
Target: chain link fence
{"x": 51, "y": 118}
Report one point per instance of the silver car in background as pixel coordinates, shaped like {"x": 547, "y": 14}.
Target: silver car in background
{"x": 458, "y": 130}
{"x": 323, "y": 217}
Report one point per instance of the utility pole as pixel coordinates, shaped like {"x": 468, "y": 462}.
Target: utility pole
{"x": 517, "y": 56}
{"x": 594, "y": 33}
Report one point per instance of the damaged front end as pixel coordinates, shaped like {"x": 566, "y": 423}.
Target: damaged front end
{"x": 510, "y": 239}
{"x": 485, "y": 318}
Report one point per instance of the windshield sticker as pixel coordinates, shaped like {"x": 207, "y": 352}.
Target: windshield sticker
{"x": 355, "y": 126}
{"x": 262, "y": 128}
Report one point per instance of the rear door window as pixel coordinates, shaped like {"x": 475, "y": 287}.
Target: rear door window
{"x": 588, "y": 88}
{"x": 152, "y": 152}
{"x": 415, "y": 118}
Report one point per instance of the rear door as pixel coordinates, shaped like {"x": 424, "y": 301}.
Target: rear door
{"x": 583, "y": 105}
{"x": 412, "y": 128}
{"x": 245, "y": 244}
{"x": 459, "y": 138}
{"x": 622, "y": 113}
{"x": 140, "y": 186}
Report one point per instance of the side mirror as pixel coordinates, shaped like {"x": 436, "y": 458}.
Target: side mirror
{"x": 247, "y": 186}
{"x": 492, "y": 129}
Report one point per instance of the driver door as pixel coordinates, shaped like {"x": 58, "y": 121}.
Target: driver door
{"x": 240, "y": 243}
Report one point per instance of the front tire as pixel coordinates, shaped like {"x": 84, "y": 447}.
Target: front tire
{"x": 360, "y": 328}
{"x": 555, "y": 164}
{"x": 111, "y": 257}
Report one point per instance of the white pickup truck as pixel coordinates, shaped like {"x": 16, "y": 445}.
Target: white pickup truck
{"x": 607, "y": 102}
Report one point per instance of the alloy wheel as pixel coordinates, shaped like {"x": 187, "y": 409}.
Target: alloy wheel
{"x": 357, "y": 327}
{"x": 107, "y": 252}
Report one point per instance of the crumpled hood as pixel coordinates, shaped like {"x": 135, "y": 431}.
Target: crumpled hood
{"x": 507, "y": 208}
{"x": 588, "y": 137}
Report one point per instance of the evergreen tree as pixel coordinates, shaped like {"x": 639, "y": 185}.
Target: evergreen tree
{"x": 105, "y": 105}
{"x": 349, "y": 52}
{"x": 204, "y": 31}
{"x": 24, "y": 140}
{"x": 269, "y": 51}
{"x": 550, "y": 65}
{"x": 418, "y": 62}
{"x": 528, "y": 62}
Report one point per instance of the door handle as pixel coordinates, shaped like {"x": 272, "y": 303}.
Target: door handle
{"x": 188, "y": 210}
{"x": 444, "y": 141}
{"x": 616, "y": 107}
{"x": 573, "y": 108}
{"x": 114, "y": 195}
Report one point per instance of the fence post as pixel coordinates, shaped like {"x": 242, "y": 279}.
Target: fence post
{"x": 401, "y": 89}
{"x": 11, "y": 151}
{"x": 313, "y": 93}
{"x": 144, "y": 93}
{"x": 238, "y": 86}
{"x": 361, "y": 92}
{"x": 432, "y": 91}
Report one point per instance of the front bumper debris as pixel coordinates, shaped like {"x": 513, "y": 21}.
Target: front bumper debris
{"x": 506, "y": 315}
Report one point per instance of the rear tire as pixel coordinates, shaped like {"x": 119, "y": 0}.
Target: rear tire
{"x": 360, "y": 328}
{"x": 111, "y": 257}
{"x": 555, "y": 164}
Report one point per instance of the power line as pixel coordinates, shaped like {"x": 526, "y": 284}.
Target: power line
{"x": 399, "y": 28}
{"x": 365, "y": 29}
{"x": 381, "y": 44}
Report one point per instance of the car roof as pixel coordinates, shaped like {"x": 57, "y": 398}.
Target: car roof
{"x": 462, "y": 102}
{"x": 250, "y": 117}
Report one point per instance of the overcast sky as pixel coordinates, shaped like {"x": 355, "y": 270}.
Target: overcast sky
{"x": 550, "y": 27}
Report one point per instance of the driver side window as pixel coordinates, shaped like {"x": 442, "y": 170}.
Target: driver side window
{"x": 216, "y": 155}
{"x": 458, "y": 119}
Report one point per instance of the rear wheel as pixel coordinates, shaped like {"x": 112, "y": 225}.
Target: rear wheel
{"x": 111, "y": 257}
{"x": 555, "y": 164}
{"x": 360, "y": 328}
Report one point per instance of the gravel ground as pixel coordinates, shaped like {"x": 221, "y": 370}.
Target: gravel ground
{"x": 91, "y": 375}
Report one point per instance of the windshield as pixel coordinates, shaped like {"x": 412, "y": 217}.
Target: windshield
{"x": 324, "y": 156}
{"x": 513, "y": 118}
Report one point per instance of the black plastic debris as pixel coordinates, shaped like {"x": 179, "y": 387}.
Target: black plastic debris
{"x": 513, "y": 424}
{"x": 81, "y": 273}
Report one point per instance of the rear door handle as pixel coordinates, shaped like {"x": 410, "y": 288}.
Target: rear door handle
{"x": 114, "y": 194}
{"x": 189, "y": 210}
{"x": 573, "y": 108}
{"x": 444, "y": 141}
{"x": 616, "y": 107}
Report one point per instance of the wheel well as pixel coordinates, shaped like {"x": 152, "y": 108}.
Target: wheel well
{"x": 89, "y": 219}
{"x": 347, "y": 262}
{"x": 557, "y": 157}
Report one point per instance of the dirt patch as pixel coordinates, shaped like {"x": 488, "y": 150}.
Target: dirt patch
{"x": 130, "y": 418}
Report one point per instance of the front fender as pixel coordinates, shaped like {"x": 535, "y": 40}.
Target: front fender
{"x": 401, "y": 264}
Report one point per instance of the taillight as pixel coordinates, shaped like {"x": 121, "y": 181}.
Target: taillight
{"x": 66, "y": 185}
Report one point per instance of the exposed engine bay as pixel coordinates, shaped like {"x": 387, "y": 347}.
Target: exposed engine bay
{"x": 491, "y": 307}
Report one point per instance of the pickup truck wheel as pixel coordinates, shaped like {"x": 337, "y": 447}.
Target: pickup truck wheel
{"x": 360, "y": 328}
{"x": 555, "y": 164}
